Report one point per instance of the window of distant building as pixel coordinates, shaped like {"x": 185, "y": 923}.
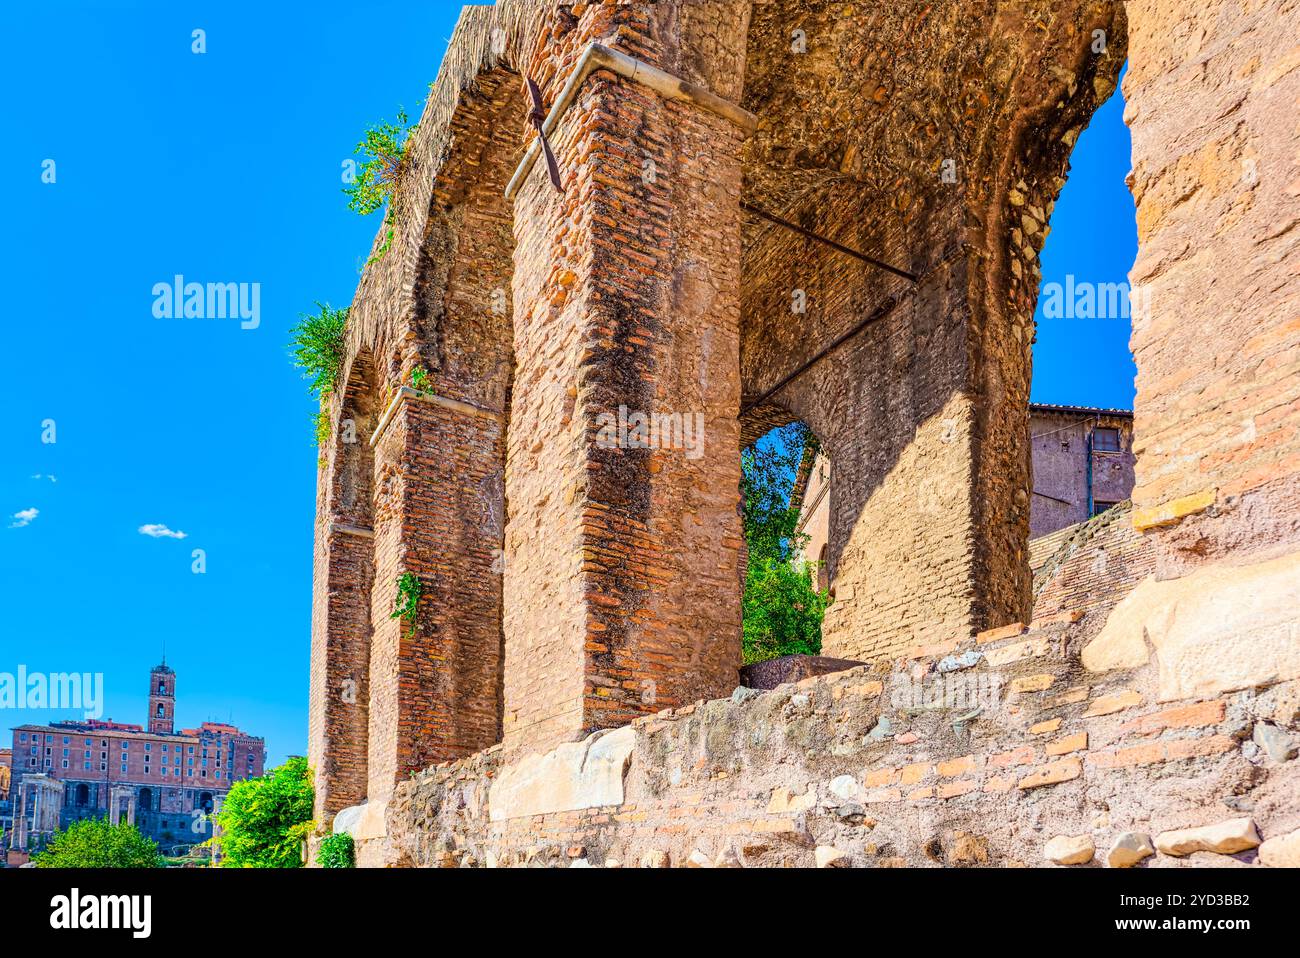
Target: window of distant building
{"x": 1098, "y": 506}
{"x": 22, "y": 737}
{"x": 1105, "y": 440}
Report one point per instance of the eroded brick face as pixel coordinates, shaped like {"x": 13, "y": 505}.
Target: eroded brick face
{"x": 1211, "y": 104}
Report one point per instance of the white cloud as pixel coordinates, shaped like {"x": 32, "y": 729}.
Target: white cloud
{"x": 51, "y": 478}
{"x": 24, "y": 518}
{"x": 159, "y": 531}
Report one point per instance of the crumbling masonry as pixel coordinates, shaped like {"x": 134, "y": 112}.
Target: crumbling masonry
{"x": 572, "y": 585}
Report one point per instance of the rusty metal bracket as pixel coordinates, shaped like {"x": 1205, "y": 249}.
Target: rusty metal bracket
{"x": 537, "y": 117}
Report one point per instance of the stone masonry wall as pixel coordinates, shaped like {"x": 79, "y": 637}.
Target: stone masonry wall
{"x": 973, "y": 752}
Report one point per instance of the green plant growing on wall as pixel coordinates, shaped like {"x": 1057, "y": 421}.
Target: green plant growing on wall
{"x": 264, "y": 821}
{"x": 383, "y": 153}
{"x": 318, "y": 345}
{"x": 421, "y": 379}
{"x": 337, "y": 851}
{"x": 782, "y": 609}
{"x": 406, "y": 605}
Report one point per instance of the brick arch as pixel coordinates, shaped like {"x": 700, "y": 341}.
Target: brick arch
{"x": 422, "y": 490}
{"x": 901, "y": 132}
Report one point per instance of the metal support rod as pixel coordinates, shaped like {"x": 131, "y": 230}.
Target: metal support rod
{"x": 750, "y": 208}
{"x": 879, "y": 313}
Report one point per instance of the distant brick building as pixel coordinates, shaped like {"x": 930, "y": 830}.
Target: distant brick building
{"x": 163, "y": 780}
{"x": 1082, "y": 465}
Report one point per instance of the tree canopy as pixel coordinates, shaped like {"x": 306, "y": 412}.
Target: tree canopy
{"x": 94, "y": 843}
{"x": 264, "y": 821}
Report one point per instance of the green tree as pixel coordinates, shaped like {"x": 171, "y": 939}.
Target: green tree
{"x": 264, "y": 821}
{"x": 782, "y": 608}
{"x": 94, "y": 843}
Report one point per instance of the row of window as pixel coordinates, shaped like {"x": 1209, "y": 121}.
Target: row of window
{"x": 148, "y": 747}
{"x": 103, "y": 767}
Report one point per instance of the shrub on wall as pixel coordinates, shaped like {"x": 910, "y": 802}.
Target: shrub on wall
{"x": 383, "y": 152}
{"x": 337, "y": 851}
{"x": 319, "y": 343}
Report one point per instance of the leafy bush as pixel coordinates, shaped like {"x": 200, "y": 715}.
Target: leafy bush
{"x": 782, "y": 609}
{"x": 406, "y": 604}
{"x": 264, "y": 821}
{"x": 383, "y": 152}
{"x": 319, "y": 343}
{"x": 337, "y": 851}
{"x": 383, "y": 148}
{"x": 94, "y": 843}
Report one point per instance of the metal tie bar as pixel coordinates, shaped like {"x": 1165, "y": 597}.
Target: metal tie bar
{"x": 751, "y": 208}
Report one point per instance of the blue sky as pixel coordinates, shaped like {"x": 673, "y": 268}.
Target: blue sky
{"x": 225, "y": 167}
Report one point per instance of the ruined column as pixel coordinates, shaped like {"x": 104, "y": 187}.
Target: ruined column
{"x": 623, "y": 539}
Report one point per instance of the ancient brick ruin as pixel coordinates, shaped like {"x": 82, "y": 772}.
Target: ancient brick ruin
{"x": 572, "y": 586}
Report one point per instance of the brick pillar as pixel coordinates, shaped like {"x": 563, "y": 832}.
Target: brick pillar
{"x": 622, "y": 570}
{"x": 343, "y": 576}
{"x": 435, "y": 684}
{"x": 1211, "y": 92}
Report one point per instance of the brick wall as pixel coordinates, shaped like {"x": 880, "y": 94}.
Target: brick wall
{"x": 1094, "y": 566}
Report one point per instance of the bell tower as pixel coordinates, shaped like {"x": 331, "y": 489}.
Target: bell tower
{"x": 162, "y": 698}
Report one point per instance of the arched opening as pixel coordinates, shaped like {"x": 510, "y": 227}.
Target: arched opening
{"x": 205, "y": 802}
{"x": 891, "y": 306}
{"x": 83, "y": 795}
{"x": 436, "y": 670}
{"x": 144, "y": 799}
{"x": 784, "y": 480}
{"x": 1081, "y": 412}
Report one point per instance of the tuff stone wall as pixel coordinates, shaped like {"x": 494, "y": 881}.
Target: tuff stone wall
{"x": 978, "y": 751}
